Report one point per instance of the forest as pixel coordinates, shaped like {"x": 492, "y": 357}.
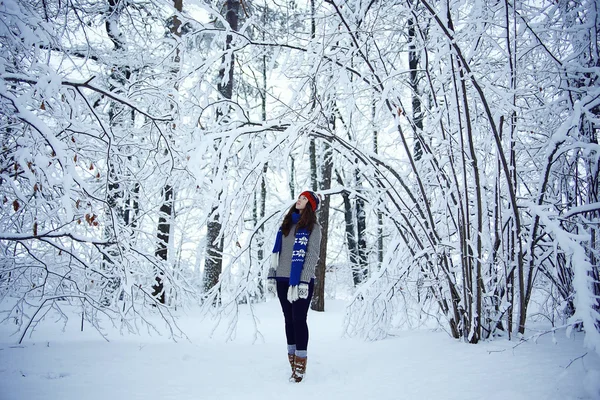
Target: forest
{"x": 150, "y": 149}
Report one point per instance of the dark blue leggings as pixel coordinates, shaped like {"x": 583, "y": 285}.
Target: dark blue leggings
{"x": 296, "y": 328}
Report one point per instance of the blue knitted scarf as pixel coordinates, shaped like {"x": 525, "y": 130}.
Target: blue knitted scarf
{"x": 298, "y": 251}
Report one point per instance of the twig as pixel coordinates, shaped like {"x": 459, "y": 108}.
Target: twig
{"x": 575, "y": 359}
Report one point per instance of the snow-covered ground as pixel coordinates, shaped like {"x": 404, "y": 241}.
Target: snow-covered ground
{"x": 57, "y": 365}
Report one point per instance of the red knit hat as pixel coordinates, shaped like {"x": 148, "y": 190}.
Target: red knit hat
{"x": 313, "y": 199}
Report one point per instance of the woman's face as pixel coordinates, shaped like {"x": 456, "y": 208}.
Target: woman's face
{"x": 301, "y": 203}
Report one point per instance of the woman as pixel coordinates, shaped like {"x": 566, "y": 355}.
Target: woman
{"x": 292, "y": 275}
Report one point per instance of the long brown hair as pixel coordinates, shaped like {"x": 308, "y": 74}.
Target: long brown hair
{"x": 308, "y": 219}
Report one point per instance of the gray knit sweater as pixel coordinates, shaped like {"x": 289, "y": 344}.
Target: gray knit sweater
{"x": 284, "y": 266}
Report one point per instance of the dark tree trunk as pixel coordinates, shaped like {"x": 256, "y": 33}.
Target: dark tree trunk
{"x": 260, "y": 209}
{"x": 361, "y": 231}
{"x": 213, "y": 264}
{"x": 350, "y": 233}
{"x": 312, "y": 146}
{"x": 121, "y": 75}
{"x": 292, "y": 183}
{"x": 318, "y": 300}
{"x": 164, "y": 227}
{"x": 263, "y": 184}
{"x": 413, "y": 65}
{"x": 166, "y": 209}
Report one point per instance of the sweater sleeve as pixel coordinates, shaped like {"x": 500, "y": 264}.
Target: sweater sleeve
{"x": 312, "y": 255}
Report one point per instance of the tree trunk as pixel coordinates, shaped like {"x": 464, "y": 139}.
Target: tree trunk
{"x": 350, "y": 233}
{"x": 292, "y": 182}
{"x": 312, "y": 147}
{"x": 361, "y": 231}
{"x": 413, "y": 65}
{"x": 379, "y": 213}
{"x": 214, "y": 245}
{"x": 318, "y": 300}
{"x": 263, "y": 109}
{"x": 166, "y": 209}
{"x": 164, "y": 227}
{"x": 120, "y": 74}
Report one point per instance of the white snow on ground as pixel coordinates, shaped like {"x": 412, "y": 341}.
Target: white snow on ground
{"x": 74, "y": 365}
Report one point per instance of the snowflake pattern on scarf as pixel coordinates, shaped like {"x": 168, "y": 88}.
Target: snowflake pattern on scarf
{"x": 298, "y": 251}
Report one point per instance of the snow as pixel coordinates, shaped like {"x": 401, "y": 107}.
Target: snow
{"x": 68, "y": 364}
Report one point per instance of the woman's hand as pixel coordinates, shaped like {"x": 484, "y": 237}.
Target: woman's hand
{"x": 303, "y": 290}
{"x": 272, "y": 287}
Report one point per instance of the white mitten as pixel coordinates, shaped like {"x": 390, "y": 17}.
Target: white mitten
{"x": 272, "y": 287}
{"x": 292, "y": 294}
{"x": 303, "y": 290}
{"x": 274, "y": 260}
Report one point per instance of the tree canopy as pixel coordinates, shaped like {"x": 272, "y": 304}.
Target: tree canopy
{"x": 150, "y": 149}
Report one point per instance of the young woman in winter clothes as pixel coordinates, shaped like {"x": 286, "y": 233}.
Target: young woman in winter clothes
{"x": 292, "y": 275}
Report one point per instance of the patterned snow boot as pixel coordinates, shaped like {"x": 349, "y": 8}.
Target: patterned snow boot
{"x": 299, "y": 369}
{"x": 292, "y": 359}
